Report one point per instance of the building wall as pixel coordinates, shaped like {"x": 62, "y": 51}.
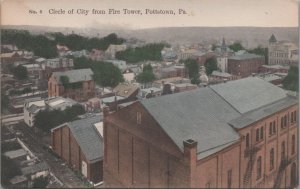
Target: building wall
{"x": 140, "y": 155}
{"x": 65, "y": 146}
{"x": 282, "y": 54}
{"x": 265, "y": 145}
{"x": 244, "y": 68}
{"x": 213, "y": 171}
{"x": 80, "y": 94}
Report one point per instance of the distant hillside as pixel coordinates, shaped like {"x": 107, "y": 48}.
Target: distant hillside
{"x": 249, "y": 36}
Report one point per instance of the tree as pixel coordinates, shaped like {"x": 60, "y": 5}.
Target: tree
{"x": 40, "y": 182}
{"x": 145, "y": 77}
{"x": 20, "y": 72}
{"x": 291, "y": 81}
{"x": 148, "y": 52}
{"x": 105, "y": 74}
{"x": 210, "y": 65}
{"x": 148, "y": 67}
{"x": 236, "y": 46}
{"x": 213, "y": 47}
{"x": 193, "y": 68}
{"x": 47, "y": 119}
{"x": 260, "y": 51}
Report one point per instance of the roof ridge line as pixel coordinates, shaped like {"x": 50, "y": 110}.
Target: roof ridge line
{"x": 225, "y": 100}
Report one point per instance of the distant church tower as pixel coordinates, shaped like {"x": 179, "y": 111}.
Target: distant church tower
{"x": 223, "y": 46}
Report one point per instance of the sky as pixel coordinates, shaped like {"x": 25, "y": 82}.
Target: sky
{"x": 259, "y": 13}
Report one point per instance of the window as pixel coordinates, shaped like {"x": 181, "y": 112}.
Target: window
{"x": 293, "y": 144}
{"x": 285, "y": 121}
{"x": 274, "y": 127}
{"x": 272, "y": 159}
{"x": 258, "y": 168}
{"x": 281, "y": 123}
{"x": 257, "y": 134}
{"x": 247, "y": 140}
{"x": 138, "y": 118}
{"x": 293, "y": 117}
{"x": 261, "y": 133}
{"x": 282, "y": 150}
{"x": 270, "y": 129}
{"x": 229, "y": 178}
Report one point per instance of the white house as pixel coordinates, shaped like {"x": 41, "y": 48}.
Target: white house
{"x": 31, "y": 108}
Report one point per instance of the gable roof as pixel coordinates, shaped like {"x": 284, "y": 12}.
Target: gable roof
{"x": 200, "y": 115}
{"x": 88, "y": 138}
{"x": 249, "y": 93}
{"x": 75, "y": 75}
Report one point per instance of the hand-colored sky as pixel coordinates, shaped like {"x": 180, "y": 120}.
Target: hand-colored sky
{"x": 261, "y": 13}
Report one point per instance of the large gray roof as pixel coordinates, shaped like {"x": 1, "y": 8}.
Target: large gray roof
{"x": 249, "y": 93}
{"x": 245, "y": 56}
{"x": 257, "y": 114}
{"x": 208, "y": 115}
{"x": 200, "y": 115}
{"x": 88, "y": 138}
{"x": 75, "y": 75}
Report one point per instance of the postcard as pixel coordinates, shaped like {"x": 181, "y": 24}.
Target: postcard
{"x": 149, "y": 94}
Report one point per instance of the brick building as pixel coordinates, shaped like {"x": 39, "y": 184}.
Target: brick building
{"x": 80, "y": 144}
{"x": 245, "y": 64}
{"x": 75, "y": 84}
{"x": 222, "y": 136}
{"x": 282, "y": 52}
{"x": 48, "y": 66}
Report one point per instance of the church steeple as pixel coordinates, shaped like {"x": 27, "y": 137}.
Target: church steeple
{"x": 272, "y": 39}
{"x": 223, "y": 47}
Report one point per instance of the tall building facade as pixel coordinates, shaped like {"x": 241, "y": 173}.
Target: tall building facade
{"x": 244, "y": 65}
{"x": 282, "y": 52}
{"x": 222, "y": 136}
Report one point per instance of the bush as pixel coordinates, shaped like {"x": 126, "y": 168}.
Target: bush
{"x": 48, "y": 119}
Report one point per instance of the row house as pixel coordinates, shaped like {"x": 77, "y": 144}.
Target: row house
{"x": 238, "y": 134}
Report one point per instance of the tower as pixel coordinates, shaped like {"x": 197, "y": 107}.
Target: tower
{"x": 272, "y": 40}
{"x": 223, "y": 46}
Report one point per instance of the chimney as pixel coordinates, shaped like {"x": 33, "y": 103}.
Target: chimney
{"x": 105, "y": 111}
{"x": 190, "y": 160}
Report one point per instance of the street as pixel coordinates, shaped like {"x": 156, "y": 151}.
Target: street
{"x": 57, "y": 166}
